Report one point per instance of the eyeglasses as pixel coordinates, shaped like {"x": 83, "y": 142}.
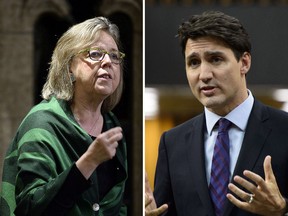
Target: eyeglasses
{"x": 97, "y": 54}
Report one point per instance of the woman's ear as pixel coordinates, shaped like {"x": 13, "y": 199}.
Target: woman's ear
{"x": 72, "y": 77}
{"x": 246, "y": 63}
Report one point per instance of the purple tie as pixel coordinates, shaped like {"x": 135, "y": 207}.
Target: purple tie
{"x": 220, "y": 170}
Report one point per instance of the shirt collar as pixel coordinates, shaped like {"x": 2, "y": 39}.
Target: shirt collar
{"x": 238, "y": 116}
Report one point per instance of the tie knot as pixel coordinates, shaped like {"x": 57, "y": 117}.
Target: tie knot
{"x": 224, "y": 125}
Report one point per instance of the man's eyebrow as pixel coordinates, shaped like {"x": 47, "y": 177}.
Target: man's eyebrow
{"x": 192, "y": 55}
{"x": 211, "y": 52}
{"x": 216, "y": 52}
{"x": 206, "y": 53}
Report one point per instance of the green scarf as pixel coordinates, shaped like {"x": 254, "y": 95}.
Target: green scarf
{"x": 47, "y": 144}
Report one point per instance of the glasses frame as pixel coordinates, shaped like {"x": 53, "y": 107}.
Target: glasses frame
{"x": 121, "y": 58}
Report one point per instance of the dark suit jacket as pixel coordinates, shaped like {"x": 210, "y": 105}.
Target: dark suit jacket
{"x": 180, "y": 178}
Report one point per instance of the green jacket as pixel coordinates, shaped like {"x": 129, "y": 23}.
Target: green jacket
{"x": 40, "y": 176}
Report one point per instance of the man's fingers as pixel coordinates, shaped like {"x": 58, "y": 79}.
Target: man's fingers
{"x": 147, "y": 185}
{"x": 238, "y": 192}
{"x": 161, "y": 209}
{"x": 269, "y": 175}
{"x": 246, "y": 184}
{"x": 148, "y": 200}
{"x": 235, "y": 201}
{"x": 157, "y": 211}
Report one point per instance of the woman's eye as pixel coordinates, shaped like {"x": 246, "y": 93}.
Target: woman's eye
{"x": 96, "y": 54}
{"x": 114, "y": 56}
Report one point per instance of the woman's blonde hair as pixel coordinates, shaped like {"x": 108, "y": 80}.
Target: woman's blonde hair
{"x": 78, "y": 37}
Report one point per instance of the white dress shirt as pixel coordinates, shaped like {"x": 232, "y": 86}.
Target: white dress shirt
{"x": 239, "y": 117}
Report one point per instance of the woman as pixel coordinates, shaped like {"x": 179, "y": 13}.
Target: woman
{"x": 69, "y": 155}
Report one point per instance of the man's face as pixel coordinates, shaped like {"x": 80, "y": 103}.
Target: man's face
{"x": 215, "y": 76}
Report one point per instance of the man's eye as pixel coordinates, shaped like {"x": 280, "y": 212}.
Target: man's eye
{"x": 216, "y": 60}
{"x": 193, "y": 63}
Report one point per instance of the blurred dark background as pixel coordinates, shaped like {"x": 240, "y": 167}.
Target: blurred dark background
{"x": 266, "y": 25}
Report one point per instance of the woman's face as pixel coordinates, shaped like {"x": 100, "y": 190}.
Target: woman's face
{"x": 96, "y": 79}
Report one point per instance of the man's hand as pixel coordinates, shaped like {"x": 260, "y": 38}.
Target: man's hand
{"x": 264, "y": 198}
{"x": 150, "y": 204}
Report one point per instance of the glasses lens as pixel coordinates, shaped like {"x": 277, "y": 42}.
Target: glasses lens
{"x": 115, "y": 57}
{"x": 96, "y": 55}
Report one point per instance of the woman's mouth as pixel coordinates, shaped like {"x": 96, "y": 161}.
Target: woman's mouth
{"x": 105, "y": 76}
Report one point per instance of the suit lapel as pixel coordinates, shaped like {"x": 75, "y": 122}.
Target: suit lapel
{"x": 196, "y": 160}
{"x": 253, "y": 143}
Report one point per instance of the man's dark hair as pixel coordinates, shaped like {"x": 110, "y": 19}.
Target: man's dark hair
{"x": 218, "y": 25}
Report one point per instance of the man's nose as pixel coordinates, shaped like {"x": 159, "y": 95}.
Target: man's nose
{"x": 206, "y": 72}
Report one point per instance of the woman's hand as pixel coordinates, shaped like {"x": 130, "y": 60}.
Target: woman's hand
{"x": 103, "y": 148}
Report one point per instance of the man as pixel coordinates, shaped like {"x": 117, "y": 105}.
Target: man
{"x": 190, "y": 177}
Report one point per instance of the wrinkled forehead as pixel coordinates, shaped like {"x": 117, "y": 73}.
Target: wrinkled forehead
{"x": 206, "y": 44}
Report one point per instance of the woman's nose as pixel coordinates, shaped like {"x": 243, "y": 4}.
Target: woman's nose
{"x": 106, "y": 59}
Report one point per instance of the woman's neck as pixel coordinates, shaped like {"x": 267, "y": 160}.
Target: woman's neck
{"x": 88, "y": 115}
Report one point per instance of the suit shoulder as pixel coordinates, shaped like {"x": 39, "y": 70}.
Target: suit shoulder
{"x": 276, "y": 113}
{"x": 273, "y": 116}
{"x": 187, "y": 125}
{"x": 278, "y": 116}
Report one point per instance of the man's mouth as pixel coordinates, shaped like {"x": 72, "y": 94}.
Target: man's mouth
{"x": 208, "y": 90}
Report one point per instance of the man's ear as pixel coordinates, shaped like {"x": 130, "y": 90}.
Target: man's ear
{"x": 246, "y": 63}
